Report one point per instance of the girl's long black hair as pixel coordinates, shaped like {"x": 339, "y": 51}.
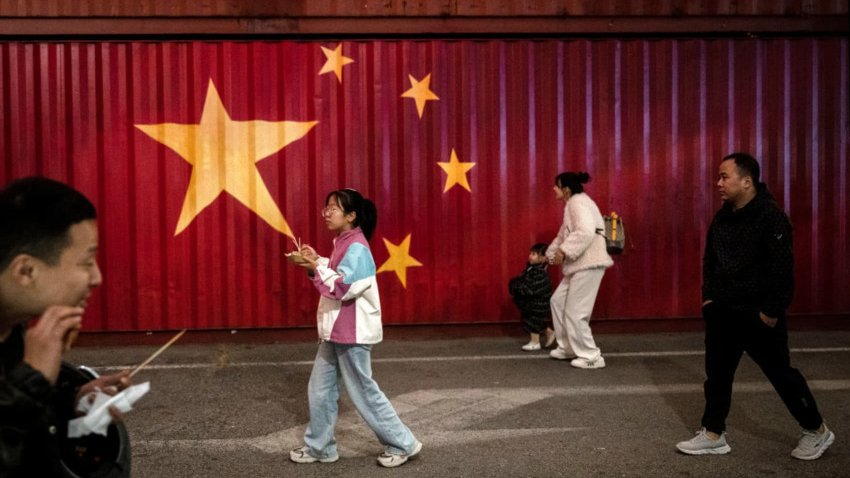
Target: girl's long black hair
{"x": 366, "y": 214}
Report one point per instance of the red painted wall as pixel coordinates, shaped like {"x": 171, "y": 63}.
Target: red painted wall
{"x": 649, "y": 120}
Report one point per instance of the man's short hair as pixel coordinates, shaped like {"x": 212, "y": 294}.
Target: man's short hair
{"x": 746, "y": 164}
{"x": 35, "y": 216}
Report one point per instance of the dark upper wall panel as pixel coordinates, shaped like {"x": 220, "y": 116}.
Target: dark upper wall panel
{"x": 403, "y": 17}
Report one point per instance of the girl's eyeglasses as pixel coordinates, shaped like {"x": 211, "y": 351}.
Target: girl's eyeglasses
{"x": 329, "y": 210}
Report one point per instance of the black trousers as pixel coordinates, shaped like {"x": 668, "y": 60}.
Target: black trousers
{"x": 730, "y": 333}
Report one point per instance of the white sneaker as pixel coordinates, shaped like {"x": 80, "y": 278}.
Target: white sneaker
{"x": 531, "y": 346}
{"x": 701, "y": 444}
{"x": 598, "y": 362}
{"x": 812, "y": 444}
{"x": 560, "y": 354}
{"x": 302, "y": 455}
{"x": 392, "y": 460}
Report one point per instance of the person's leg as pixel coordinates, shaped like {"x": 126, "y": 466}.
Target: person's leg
{"x": 550, "y": 337}
{"x": 558, "y": 303}
{"x": 583, "y": 286}
{"x": 769, "y": 349}
{"x": 723, "y": 350}
{"x": 355, "y": 365}
{"x": 323, "y": 395}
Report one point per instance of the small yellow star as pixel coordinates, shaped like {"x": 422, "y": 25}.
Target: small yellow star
{"x": 456, "y": 172}
{"x": 335, "y": 61}
{"x": 400, "y": 259}
{"x": 420, "y": 92}
{"x": 223, "y": 153}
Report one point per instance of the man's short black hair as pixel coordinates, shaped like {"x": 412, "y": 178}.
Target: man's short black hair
{"x": 746, "y": 164}
{"x": 35, "y": 216}
{"x": 539, "y": 248}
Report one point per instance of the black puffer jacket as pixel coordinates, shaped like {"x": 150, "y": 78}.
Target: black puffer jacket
{"x": 749, "y": 263}
{"x": 531, "y": 291}
{"x": 28, "y": 435}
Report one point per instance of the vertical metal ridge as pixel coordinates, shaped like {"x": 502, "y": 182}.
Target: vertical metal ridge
{"x": 649, "y": 120}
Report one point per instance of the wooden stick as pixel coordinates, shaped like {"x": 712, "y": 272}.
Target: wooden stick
{"x": 155, "y": 354}
{"x": 297, "y": 243}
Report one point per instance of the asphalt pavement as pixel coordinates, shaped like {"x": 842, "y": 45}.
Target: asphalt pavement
{"x": 481, "y": 407}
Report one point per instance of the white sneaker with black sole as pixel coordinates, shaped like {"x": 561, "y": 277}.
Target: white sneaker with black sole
{"x": 598, "y": 362}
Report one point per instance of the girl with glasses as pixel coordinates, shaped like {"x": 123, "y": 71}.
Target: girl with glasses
{"x": 349, "y": 323}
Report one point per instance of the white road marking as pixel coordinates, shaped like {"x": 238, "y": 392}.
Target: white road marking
{"x": 465, "y": 358}
{"x": 454, "y": 417}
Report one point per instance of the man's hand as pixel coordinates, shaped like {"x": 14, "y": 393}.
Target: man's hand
{"x": 108, "y": 384}
{"x": 44, "y": 343}
{"x": 768, "y": 321}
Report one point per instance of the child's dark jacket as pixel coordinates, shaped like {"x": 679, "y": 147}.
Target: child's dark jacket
{"x": 531, "y": 291}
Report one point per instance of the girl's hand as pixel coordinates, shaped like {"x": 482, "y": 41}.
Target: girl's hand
{"x": 308, "y": 264}
{"x": 308, "y": 253}
{"x": 310, "y": 258}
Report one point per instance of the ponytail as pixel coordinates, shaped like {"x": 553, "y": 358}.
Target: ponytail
{"x": 366, "y": 214}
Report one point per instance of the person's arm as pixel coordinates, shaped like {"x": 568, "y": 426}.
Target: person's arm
{"x": 539, "y": 283}
{"x": 779, "y": 275}
{"x": 583, "y": 232}
{"x": 24, "y": 399}
{"x": 347, "y": 281}
{"x": 555, "y": 246}
{"x": 709, "y": 260}
{"x": 522, "y": 285}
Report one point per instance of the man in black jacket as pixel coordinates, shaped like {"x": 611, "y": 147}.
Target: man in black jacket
{"x": 748, "y": 282}
{"x": 48, "y": 268}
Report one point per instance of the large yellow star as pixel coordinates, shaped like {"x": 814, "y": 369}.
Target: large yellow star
{"x": 456, "y": 172}
{"x": 335, "y": 61}
{"x": 420, "y": 92}
{"x": 400, "y": 259}
{"x": 223, "y": 154}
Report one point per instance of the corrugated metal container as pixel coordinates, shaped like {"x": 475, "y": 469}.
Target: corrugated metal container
{"x": 59, "y": 19}
{"x": 649, "y": 120}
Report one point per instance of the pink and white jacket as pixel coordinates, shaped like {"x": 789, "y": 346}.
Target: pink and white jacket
{"x": 349, "y": 307}
{"x": 583, "y": 247}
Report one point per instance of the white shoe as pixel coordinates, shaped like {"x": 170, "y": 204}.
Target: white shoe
{"x": 812, "y": 444}
{"x": 302, "y": 455}
{"x": 560, "y": 354}
{"x": 701, "y": 444}
{"x": 392, "y": 460}
{"x": 598, "y": 362}
{"x": 531, "y": 346}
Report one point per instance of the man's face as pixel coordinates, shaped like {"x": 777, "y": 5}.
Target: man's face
{"x": 75, "y": 274}
{"x": 730, "y": 184}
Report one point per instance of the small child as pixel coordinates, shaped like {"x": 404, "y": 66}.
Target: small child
{"x": 531, "y": 291}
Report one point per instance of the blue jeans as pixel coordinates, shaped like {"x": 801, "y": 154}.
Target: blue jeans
{"x": 353, "y": 364}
